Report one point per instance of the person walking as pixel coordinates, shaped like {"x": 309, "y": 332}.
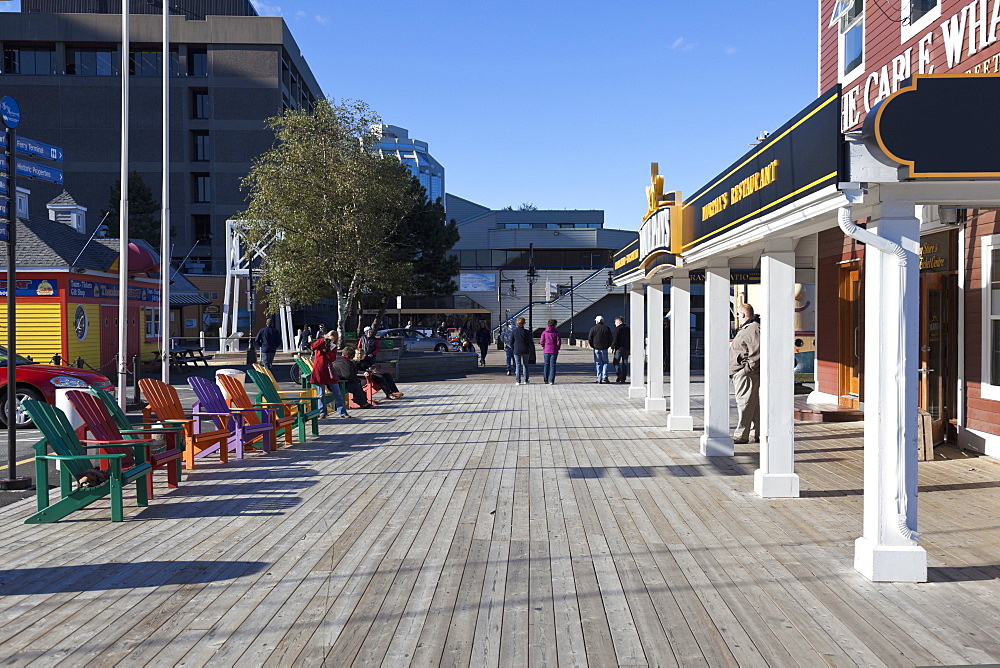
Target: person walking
{"x": 507, "y": 336}
{"x": 268, "y": 340}
{"x": 744, "y": 367}
{"x": 324, "y": 376}
{"x": 483, "y": 341}
{"x": 522, "y": 344}
{"x": 621, "y": 345}
{"x": 551, "y": 343}
{"x": 599, "y": 338}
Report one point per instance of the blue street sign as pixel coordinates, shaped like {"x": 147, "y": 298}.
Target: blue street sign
{"x": 4, "y": 231}
{"x": 40, "y": 172}
{"x": 3, "y": 139}
{"x": 3, "y": 164}
{"x": 3, "y": 186}
{"x": 39, "y": 149}
{"x": 3, "y": 208}
{"x": 10, "y": 112}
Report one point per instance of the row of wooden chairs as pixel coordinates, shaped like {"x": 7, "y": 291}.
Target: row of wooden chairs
{"x": 168, "y": 438}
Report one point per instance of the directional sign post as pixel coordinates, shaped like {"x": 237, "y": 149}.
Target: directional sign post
{"x": 10, "y": 113}
{"x": 33, "y": 170}
{"x": 39, "y": 149}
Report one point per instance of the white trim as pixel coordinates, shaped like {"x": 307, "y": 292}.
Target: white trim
{"x": 987, "y": 390}
{"x": 963, "y": 291}
{"x": 979, "y": 441}
{"x": 908, "y": 32}
{"x": 848, "y": 77}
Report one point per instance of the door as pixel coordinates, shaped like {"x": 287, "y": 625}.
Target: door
{"x": 109, "y": 336}
{"x": 849, "y": 319}
{"x": 938, "y": 389}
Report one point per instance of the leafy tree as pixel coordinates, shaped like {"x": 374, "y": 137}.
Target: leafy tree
{"x": 419, "y": 260}
{"x": 526, "y": 206}
{"x": 323, "y": 204}
{"x": 143, "y": 223}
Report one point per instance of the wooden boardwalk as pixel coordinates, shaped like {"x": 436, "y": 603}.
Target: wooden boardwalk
{"x": 492, "y": 524}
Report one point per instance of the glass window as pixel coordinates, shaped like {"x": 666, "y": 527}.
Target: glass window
{"x": 202, "y": 188}
{"x": 91, "y": 62}
{"x": 483, "y": 258}
{"x": 852, "y": 30}
{"x": 198, "y": 62}
{"x": 202, "y": 227}
{"x": 919, "y": 8}
{"x": 152, "y": 322}
{"x": 202, "y": 146}
{"x": 29, "y": 61}
{"x": 199, "y": 103}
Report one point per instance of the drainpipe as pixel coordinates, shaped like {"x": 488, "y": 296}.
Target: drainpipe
{"x": 883, "y": 245}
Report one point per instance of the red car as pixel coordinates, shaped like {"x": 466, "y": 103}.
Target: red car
{"x": 40, "y": 381}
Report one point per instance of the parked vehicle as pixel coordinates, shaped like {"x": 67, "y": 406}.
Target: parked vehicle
{"x": 40, "y": 382}
{"x": 417, "y": 341}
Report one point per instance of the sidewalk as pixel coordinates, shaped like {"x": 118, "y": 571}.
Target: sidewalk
{"x": 489, "y": 523}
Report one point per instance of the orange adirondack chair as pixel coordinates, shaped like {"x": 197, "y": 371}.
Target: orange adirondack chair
{"x": 163, "y": 401}
{"x": 238, "y": 398}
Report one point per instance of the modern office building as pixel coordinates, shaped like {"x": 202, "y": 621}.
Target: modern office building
{"x": 394, "y": 140}
{"x": 231, "y": 70}
{"x": 568, "y": 247}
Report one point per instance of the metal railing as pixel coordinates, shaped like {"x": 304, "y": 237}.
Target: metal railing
{"x": 555, "y": 301}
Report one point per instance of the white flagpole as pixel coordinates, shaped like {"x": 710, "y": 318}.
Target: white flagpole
{"x": 123, "y": 220}
{"x": 165, "y": 268}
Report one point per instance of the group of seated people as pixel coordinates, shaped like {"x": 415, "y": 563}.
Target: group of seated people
{"x": 331, "y": 365}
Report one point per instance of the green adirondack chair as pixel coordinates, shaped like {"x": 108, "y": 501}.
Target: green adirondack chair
{"x": 305, "y": 372}
{"x": 71, "y": 453}
{"x": 304, "y": 410}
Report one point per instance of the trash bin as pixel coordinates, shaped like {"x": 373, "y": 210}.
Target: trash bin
{"x": 235, "y": 373}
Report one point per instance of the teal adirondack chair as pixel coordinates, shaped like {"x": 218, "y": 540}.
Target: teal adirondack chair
{"x": 304, "y": 410}
{"x": 74, "y": 461}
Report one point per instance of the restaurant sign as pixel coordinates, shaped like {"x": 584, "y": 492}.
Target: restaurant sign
{"x": 801, "y": 157}
{"x": 100, "y": 290}
{"x": 32, "y": 287}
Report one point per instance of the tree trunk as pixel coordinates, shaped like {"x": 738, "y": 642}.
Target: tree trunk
{"x": 381, "y": 313}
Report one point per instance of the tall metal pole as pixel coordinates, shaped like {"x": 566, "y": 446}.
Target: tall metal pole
{"x": 532, "y": 277}
{"x": 123, "y": 221}
{"x": 165, "y": 265}
{"x": 12, "y": 482}
{"x": 572, "y": 314}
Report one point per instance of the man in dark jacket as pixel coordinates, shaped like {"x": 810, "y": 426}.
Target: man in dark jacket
{"x": 483, "y": 341}
{"x": 744, "y": 367}
{"x": 620, "y": 343}
{"x": 521, "y": 344}
{"x": 600, "y": 340}
{"x": 268, "y": 340}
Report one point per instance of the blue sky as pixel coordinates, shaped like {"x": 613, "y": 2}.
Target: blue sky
{"x": 565, "y": 104}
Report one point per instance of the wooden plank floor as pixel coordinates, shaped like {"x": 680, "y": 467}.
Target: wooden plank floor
{"x": 494, "y": 524}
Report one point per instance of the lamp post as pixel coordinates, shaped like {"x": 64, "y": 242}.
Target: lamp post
{"x": 511, "y": 292}
{"x": 532, "y": 277}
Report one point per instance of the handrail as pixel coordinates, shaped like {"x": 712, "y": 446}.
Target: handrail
{"x": 549, "y": 302}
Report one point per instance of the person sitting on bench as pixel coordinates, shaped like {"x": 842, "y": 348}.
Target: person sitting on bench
{"x": 348, "y": 371}
{"x": 377, "y": 374}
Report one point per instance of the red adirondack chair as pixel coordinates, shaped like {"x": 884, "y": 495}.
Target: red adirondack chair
{"x": 166, "y": 405}
{"x": 98, "y": 421}
{"x": 238, "y": 398}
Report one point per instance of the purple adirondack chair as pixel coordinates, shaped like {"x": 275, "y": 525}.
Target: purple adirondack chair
{"x": 211, "y": 401}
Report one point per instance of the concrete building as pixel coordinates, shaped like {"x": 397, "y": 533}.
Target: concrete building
{"x": 495, "y": 254}
{"x": 394, "y": 140}
{"x": 231, "y": 70}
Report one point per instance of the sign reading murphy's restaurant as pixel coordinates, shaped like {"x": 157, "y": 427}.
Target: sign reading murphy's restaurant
{"x": 801, "y": 157}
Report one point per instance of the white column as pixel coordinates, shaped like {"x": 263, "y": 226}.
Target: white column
{"x": 888, "y": 551}
{"x": 776, "y": 476}
{"x": 654, "y": 330}
{"x": 717, "y": 441}
{"x": 637, "y": 320}
{"x": 680, "y": 352}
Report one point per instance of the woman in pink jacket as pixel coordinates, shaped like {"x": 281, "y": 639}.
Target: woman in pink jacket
{"x": 551, "y": 342}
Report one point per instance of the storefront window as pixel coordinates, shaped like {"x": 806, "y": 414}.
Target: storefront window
{"x": 994, "y": 316}
{"x": 990, "y": 386}
{"x": 152, "y": 322}
{"x": 852, "y": 40}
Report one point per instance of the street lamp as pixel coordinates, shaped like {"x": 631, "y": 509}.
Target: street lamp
{"x": 532, "y": 277}
{"x": 511, "y": 292}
